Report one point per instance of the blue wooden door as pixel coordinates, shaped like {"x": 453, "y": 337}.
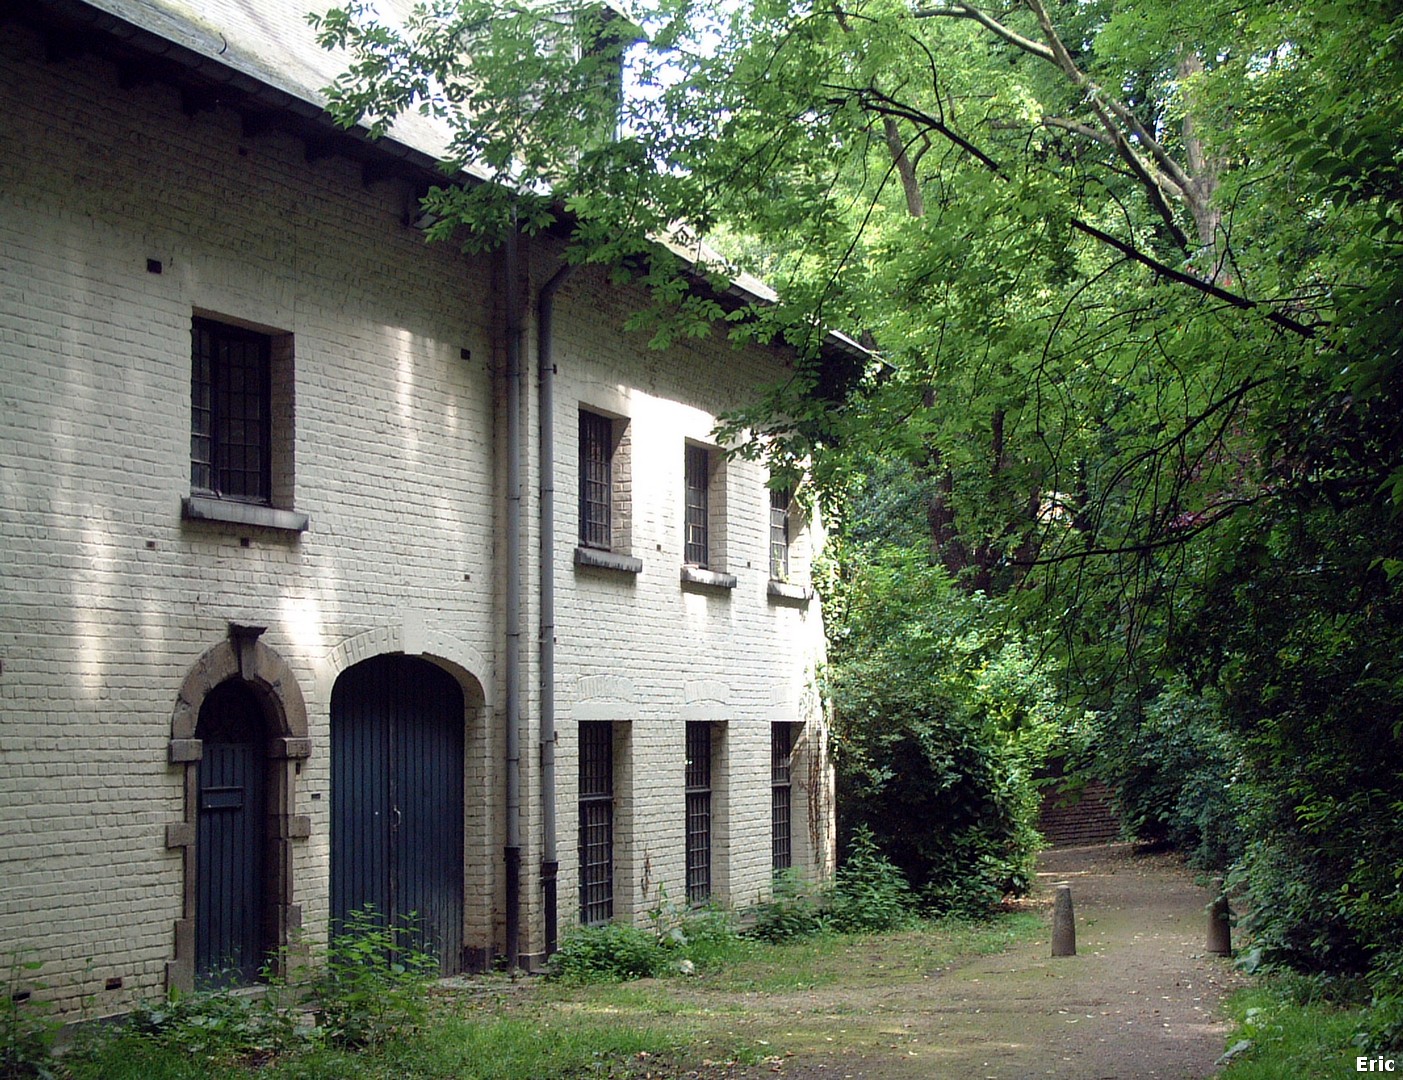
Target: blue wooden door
{"x": 231, "y": 917}
{"x": 397, "y": 800}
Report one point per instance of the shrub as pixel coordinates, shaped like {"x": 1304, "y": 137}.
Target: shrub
{"x": 27, "y": 1030}
{"x": 1177, "y": 773}
{"x": 209, "y": 1024}
{"x": 871, "y": 893}
{"x": 369, "y": 984}
{"x": 942, "y": 718}
{"x": 612, "y": 952}
{"x": 793, "y": 912}
{"x": 373, "y": 981}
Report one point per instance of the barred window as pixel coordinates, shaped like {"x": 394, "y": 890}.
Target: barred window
{"x": 696, "y": 546}
{"x": 596, "y": 480}
{"x": 230, "y": 410}
{"x": 781, "y": 801}
{"x": 698, "y": 795}
{"x": 596, "y": 822}
{"x": 779, "y": 532}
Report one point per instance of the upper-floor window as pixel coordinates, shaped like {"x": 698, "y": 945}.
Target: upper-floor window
{"x": 696, "y": 549}
{"x": 606, "y": 494}
{"x": 231, "y": 406}
{"x": 596, "y": 480}
{"x": 779, "y": 533}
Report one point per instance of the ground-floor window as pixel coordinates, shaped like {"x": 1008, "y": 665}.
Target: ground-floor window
{"x": 698, "y": 794}
{"x": 781, "y": 795}
{"x": 596, "y": 822}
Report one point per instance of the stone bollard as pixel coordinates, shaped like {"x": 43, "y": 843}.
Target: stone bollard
{"x": 1219, "y": 922}
{"x": 1064, "y": 928}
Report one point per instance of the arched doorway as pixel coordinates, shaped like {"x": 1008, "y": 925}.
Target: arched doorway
{"x": 233, "y": 916}
{"x": 397, "y": 799}
{"x": 243, "y": 698}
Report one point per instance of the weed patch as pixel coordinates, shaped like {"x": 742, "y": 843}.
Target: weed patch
{"x": 1283, "y": 1032}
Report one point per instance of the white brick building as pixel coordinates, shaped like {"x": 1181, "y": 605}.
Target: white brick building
{"x": 271, "y": 629}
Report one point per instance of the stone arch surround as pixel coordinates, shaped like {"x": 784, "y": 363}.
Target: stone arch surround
{"x": 241, "y": 656}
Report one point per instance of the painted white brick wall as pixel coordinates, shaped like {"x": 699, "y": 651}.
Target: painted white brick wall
{"x": 109, "y": 597}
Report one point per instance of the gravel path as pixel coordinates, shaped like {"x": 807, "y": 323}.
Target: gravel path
{"x": 1138, "y": 1000}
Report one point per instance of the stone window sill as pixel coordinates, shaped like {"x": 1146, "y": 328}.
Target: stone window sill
{"x": 784, "y": 592}
{"x": 707, "y": 579}
{"x": 229, "y": 512}
{"x": 595, "y": 559}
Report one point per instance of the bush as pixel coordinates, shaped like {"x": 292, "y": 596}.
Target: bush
{"x": 942, "y": 719}
{"x": 1177, "y": 774}
{"x": 871, "y": 895}
{"x": 793, "y": 912}
{"x": 613, "y": 952}
{"x": 369, "y": 984}
{"x": 27, "y": 1030}
{"x": 212, "y": 1024}
{"x": 373, "y": 981}
{"x": 680, "y": 937}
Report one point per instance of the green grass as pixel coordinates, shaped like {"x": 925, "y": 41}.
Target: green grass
{"x": 857, "y": 958}
{"x": 734, "y": 1010}
{"x": 1312, "y": 1041}
{"x": 452, "y": 1046}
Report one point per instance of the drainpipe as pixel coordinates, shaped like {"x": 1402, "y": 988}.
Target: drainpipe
{"x": 550, "y": 862}
{"x": 513, "y": 602}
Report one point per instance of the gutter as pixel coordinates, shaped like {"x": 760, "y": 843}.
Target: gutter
{"x": 550, "y": 860}
{"x": 515, "y": 452}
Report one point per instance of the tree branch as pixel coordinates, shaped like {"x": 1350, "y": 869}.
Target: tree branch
{"x": 959, "y": 10}
{"x": 1205, "y": 287}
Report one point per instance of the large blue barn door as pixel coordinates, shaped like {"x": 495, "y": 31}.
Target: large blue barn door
{"x": 397, "y": 799}
{"x": 231, "y": 914}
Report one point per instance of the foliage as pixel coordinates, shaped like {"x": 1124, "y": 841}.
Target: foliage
{"x": 942, "y": 719}
{"x": 1177, "y": 773}
{"x": 372, "y": 982}
{"x": 610, "y": 952}
{"x": 870, "y": 895}
{"x": 27, "y": 1028}
{"x": 680, "y": 939}
{"x": 793, "y": 912}
{"x": 370, "y": 985}
{"x": 1134, "y": 272}
{"x": 1293, "y": 1028}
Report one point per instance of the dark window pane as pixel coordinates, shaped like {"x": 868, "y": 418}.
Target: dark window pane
{"x": 781, "y": 753}
{"x": 698, "y": 809}
{"x": 596, "y": 480}
{"x": 230, "y": 392}
{"x": 779, "y": 533}
{"x": 596, "y": 841}
{"x": 698, "y": 477}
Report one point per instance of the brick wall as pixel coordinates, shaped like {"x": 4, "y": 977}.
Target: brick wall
{"x": 110, "y": 597}
{"x": 1084, "y": 817}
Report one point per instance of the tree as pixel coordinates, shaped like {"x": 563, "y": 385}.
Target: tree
{"x": 1134, "y": 269}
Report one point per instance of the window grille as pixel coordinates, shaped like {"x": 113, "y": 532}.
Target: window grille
{"x": 779, "y": 533}
{"x": 230, "y": 406}
{"x": 596, "y": 480}
{"x": 781, "y": 753}
{"x": 698, "y": 791}
{"x": 696, "y": 548}
{"x": 596, "y": 822}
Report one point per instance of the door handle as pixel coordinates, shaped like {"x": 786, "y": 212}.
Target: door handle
{"x": 395, "y": 817}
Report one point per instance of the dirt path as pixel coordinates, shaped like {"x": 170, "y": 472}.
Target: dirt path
{"x": 1138, "y": 1000}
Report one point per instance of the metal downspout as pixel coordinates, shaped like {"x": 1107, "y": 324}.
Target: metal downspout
{"x": 550, "y": 860}
{"x": 515, "y": 452}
